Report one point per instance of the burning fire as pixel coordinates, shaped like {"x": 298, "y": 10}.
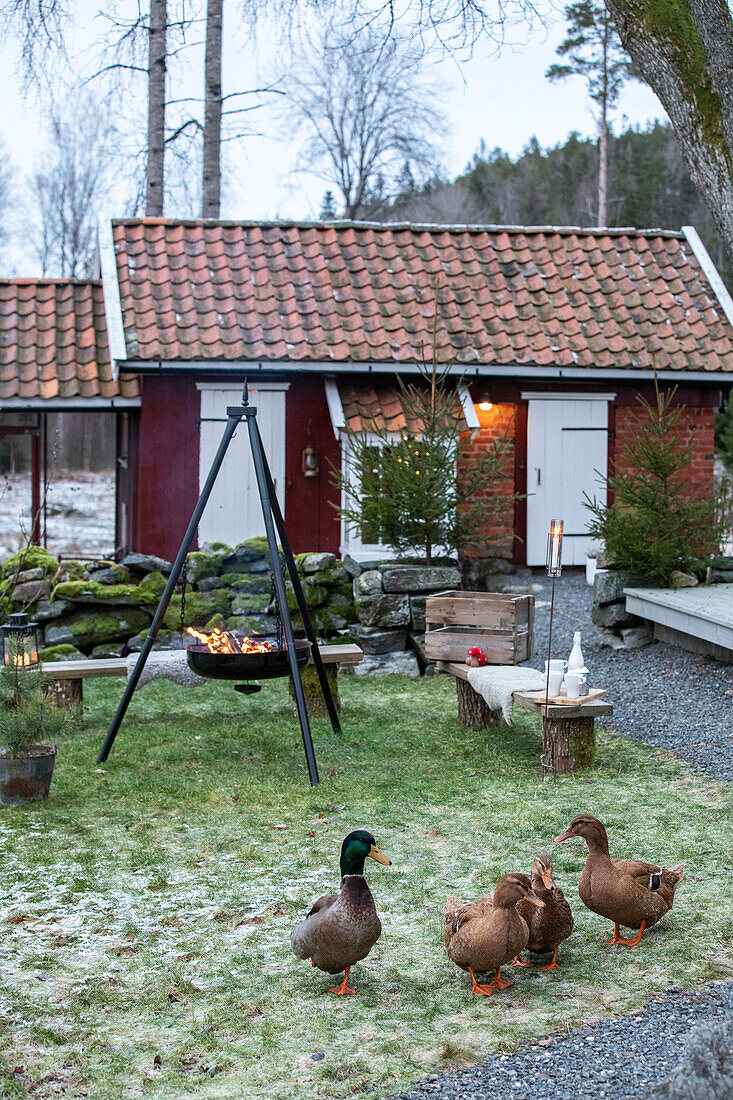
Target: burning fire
{"x": 220, "y": 641}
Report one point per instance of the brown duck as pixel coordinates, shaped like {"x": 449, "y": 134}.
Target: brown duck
{"x": 626, "y": 891}
{"x": 483, "y": 935}
{"x": 341, "y": 929}
{"x": 548, "y": 927}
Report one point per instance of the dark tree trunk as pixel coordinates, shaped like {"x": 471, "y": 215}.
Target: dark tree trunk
{"x": 154, "y": 175}
{"x": 472, "y": 708}
{"x": 211, "y": 191}
{"x": 684, "y": 51}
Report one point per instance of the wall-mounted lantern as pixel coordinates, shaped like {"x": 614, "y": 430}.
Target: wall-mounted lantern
{"x": 19, "y": 641}
{"x": 485, "y": 403}
{"x": 309, "y": 462}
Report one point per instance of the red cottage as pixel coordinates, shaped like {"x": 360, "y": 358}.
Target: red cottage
{"x": 551, "y": 333}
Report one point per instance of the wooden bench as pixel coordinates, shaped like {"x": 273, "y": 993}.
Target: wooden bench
{"x": 65, "y": 678}
{"x": 568, "y": 732}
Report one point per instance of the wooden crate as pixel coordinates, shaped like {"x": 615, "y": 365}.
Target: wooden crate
{"x": 501, "y": 625}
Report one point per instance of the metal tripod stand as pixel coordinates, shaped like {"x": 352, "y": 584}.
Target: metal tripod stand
{"x": 273, "y": 519}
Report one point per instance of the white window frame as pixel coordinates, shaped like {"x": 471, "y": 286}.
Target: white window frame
{"x": 351, "y": 542}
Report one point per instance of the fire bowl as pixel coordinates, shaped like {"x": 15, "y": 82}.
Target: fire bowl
{"x": 245, "y": 666}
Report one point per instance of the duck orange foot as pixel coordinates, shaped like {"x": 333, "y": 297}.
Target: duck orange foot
{"x": 477, "y": 987}
{"x": 339, "y": 990}
{"x": 498, "y": 982}
{"x": 627, "y": 943}
{"x": 518, "y": 962}
{"x": 553, "y": 964}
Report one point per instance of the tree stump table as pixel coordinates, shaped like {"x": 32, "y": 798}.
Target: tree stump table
{"x": 568, "y": 732}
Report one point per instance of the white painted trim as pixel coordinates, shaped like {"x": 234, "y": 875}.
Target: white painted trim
{"x": 256, "y": 387}
{"x": 70, "y": 404}
{"x": 469, "y": 409}
{"x": 530, "y": 395}
{"x": 111, "y": 294}
{"x": 483, "y": 371}
{"x": 335, "y": 408}
{"x": 709, "y": 270}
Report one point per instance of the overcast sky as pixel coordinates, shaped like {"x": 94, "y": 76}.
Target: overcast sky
{"x": 503, "y": 100}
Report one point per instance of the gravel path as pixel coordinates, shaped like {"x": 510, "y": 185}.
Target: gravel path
{"x": 645, "y": 684}
{"x": 616, "y": 1059}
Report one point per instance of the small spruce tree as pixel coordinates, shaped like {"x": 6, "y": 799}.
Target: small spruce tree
{"x": 28, "y": 716}
{"x": 659, "y": 520}
{"x": 410, "y": 490}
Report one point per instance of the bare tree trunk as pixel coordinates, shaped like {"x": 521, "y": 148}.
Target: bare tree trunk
{"x": 211, "y": 191}
{"x": 687, "y": 59}
{"x": 603, "y": 144}
{"x": 154, "y": 175}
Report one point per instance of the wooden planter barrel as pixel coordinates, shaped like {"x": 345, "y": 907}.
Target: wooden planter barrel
{"x": 501, "y": 625}
{"x": 26, "y": 778}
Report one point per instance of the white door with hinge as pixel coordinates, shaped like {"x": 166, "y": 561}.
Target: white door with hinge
{"x": 234, "y": 511}
{"x": 567, "y": 457}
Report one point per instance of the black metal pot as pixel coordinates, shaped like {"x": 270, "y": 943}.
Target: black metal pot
{"x": 245, "y": 666}
{"x": 26, "y": 778}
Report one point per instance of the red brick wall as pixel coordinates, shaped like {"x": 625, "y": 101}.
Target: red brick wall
{"x": 497, "y": 423}
{"x": 696, "y": 425}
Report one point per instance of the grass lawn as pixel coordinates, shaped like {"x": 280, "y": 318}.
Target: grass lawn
{"x": 146, "y": 909}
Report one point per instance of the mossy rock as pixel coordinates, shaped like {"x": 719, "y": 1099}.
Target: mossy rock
{"x": 245, "y": 624}
{"x": 34, "y": 557}
{"x": 244, "y": 603}
{"x": 115, "y": 595}
{"x": 250, "y": 550}
{"x": 323, "y": 576}
{"x": 64, "y": 652}
{"x": 70, "y": 571}
{"x": 216, "y": 622}
{"x": 155, "y": 582}
{"x": 247, "y": 582}
{"x": 219, "y": 548}
{"x": 200, "y": 564}
{"x": 103, "y": 625}
{"x": 200, "y": 607}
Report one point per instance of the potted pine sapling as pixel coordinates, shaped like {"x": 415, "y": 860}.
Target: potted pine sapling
{"x": 30, "y": 726}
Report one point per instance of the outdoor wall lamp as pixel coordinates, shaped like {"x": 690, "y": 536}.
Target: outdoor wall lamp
{"x": 309, "y": 462}
{"x": 485, "y": 403}
{"x": 19, "y": 641}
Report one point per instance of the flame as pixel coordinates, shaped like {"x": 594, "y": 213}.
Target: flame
{"x": 220, "y": 641}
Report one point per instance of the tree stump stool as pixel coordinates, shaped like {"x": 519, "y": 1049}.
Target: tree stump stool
{"x": 65, "y": 693}
{"x": 473, "y": 710}
{"x": 567, "y": 744}
{"x": 314, "y": 701}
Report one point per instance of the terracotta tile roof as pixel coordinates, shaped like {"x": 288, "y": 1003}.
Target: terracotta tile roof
{"x": 53, "y": 341}
{"x": 367, "y": 406}
{"x": 368, "y": 293}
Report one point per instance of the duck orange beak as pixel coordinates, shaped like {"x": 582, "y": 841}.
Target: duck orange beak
{"x": 380, "y": 857}
{"x": 564, "y": 836}
{"x": 534, "y": 900}
{"x": 547, "y": 879}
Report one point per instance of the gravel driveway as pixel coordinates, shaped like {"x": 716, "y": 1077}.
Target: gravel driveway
{"x": 661, "y": 695}
{"x": 618, "y": 1059}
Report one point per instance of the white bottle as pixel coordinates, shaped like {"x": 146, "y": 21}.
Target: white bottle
{"x": 575, "y": 660}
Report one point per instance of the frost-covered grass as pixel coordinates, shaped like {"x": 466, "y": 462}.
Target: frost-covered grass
{"x": 146, "y": 909}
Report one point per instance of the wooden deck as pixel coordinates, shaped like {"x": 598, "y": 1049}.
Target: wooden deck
{"x": 698, "y": 619}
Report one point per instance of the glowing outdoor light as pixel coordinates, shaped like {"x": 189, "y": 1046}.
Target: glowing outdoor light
{"x": 554, "y": 548}
{"x": 19, "y": 641}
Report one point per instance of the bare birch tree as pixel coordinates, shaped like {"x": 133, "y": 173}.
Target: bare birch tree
{"x": 71, "y": 186}
{"x": 367, "y": 109}
{"x": 211, "y": 188}
{"x": 157, "y": 56}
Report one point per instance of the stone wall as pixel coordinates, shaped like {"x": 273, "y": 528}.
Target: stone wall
{"x": 618, "y": 629}
{"x": 104, "y": 608}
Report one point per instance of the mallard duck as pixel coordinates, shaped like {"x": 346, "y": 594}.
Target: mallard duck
{"x": 548, "y": 927}
{"x": 341, "y": 929}
{"x": 626, "y": 891}
{"x": 483, "y": 935}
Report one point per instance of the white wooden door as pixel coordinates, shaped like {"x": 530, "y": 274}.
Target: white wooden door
{"x": 567, "y": 456}
{"x": 234, "y": 511}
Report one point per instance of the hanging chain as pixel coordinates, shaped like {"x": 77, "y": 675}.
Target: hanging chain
{"x": 274, "y": 600}
{"x": 184, "y": 577}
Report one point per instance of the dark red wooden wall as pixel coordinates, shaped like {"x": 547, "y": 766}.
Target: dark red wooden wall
{"x": 311, "y": 520}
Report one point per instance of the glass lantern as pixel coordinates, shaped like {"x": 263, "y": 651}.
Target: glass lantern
{"x": 554, "y": 548}
{"x": 19, "y": 641}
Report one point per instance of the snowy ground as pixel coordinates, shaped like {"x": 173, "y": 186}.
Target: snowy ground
{"x": 80, "y": 514}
